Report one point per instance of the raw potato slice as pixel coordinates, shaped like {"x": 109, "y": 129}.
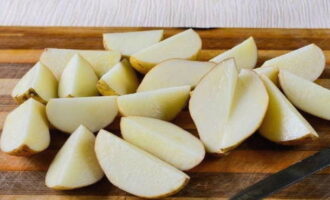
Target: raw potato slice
{"x": 226, "y": 107}
{"x": 25, "y": 131}
{"x": 78, "y": 79}
{"x": 131, "y": 42}
{"x": 136, "y": 171}
{"x": 119, "y": 80}
{"x": 307, "y": 62}
{"x": 164, "y": 140}
{"x": 306, "y": 95}
{"x": 245, "y": 54}
{"x": 186, "y": 45}
{"x": 67, "y": 114}
{"x": 270, "y": 72}
{"x": 175, "y": 72}
{"x": 162, "y": 104}
{"x": 283, "y": 123}
{"x": 57, "y": 59}
{"x": 38, "y": 83}
{"x": 75, "y": 165}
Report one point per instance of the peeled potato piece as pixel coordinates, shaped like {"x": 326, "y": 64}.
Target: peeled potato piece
{"x": 78, "y": 79}
{"x": 307, "y": 62}
{"x": 162, "y": 104}
{"x": 227, "y": 107}
{"x": 185, "y": 45}
{"x": 119, "y": 80}
{"x": 75, "y": 165}
{"x": 306, "y": 95}
{"x": 38, "y": 83}
{"x": 25, "y": 131}
{"x": 175, "y": 72}
{"x": 164, "y": 140}
{"x": 131, "y": 42}
{"x": 270, "y": 72}
{"x": 67, "y": 114}
{"x": 136, "y": 171}
{"x": 101, "y": 60}
{"x": 283, "y": 123}
{"x": 245, "y": 54}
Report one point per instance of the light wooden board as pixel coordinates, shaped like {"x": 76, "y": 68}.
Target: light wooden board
{"x": 219, "y": 178}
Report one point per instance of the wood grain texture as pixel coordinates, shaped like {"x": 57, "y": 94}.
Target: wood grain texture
{"x": 169, "y": 13}
{"x": 216, "y": 178}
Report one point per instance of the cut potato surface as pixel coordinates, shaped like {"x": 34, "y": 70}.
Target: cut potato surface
{"x": 283, "y": 123}
{"x": 164, "y": 140}
{"x": 25, "y": 131}
{"x": 38, "y": 83}
{"x": 131, "y": 42}
{"x": 101, "y": 60}
{"x": 119, "y": 80}
{"x": 78, "y": 79}
{"x": 245, "y": 54}
{"x": 175, "y": 72}
{"x": 226, "y": 107}
{"x": 306, "y": 95}
{"x": 75, "y": 165}
{"x": 307, "y": 62}
{"x": 67, "y": 114}
{"x": 136, "y": 171}
{"x": 270, "y": 72}
{"x": 185, "y": 45}
{"x": 162, "y": 104}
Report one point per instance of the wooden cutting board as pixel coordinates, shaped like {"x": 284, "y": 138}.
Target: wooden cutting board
{"x": 220, "y": 178}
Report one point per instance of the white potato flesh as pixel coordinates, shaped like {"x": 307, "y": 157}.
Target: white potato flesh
{"x": 243, "y": 103}
{"x": 136, "y": 171}
{"x": 307, "y": 62}
{"x": 162, "y": 104}
{"x": 245, "y": 54}
{"x": 128, "y": 43}
{"x": 175, "y": 72}
{"x": 101, "y": 60}
{"x": 78, "y": 79}
{"x": 283, "y": 123}
{"x": 270, "y": 72}
{"x": 38, "y": 83}
{"x": 75, "y": 165}
{"x": 164, "y": 140}
{"x": 185, "y": 45}
{"x": 67, "y": 114}
{"x": 119, "y": 80}
{"x": 25, "y": 131}
{"x": 306, "y": 95}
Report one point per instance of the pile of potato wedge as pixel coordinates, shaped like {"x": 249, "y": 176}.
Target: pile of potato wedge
{"x": 80, "y": 92}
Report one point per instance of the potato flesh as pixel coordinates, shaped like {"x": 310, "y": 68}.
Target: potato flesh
{"x": 119, "y": 80}
{"x": 165, "y": 140}
{"x": 78, "y": 79}
{"x": 245, "y": 54}
{"x": 283, "y": 123}
{"x": 26, "y": 127}
{"x": 131, "y": 42}
{"x": 175, "y": 72}
{"x": 307, "y": 62}
{"x": 306, "y": 95}
{"x": 101, "y": 60}
{"x": 209, "y": 107}
{"x": 185, "y": 45}
{"x": 270, "y": 72}
{"x": 162, "y": 104}
{"x": 67, "y": 114}
{"x": 38, "y": 83}
{"x": 75, "y": 165}
{"x": 136, "y": 171}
